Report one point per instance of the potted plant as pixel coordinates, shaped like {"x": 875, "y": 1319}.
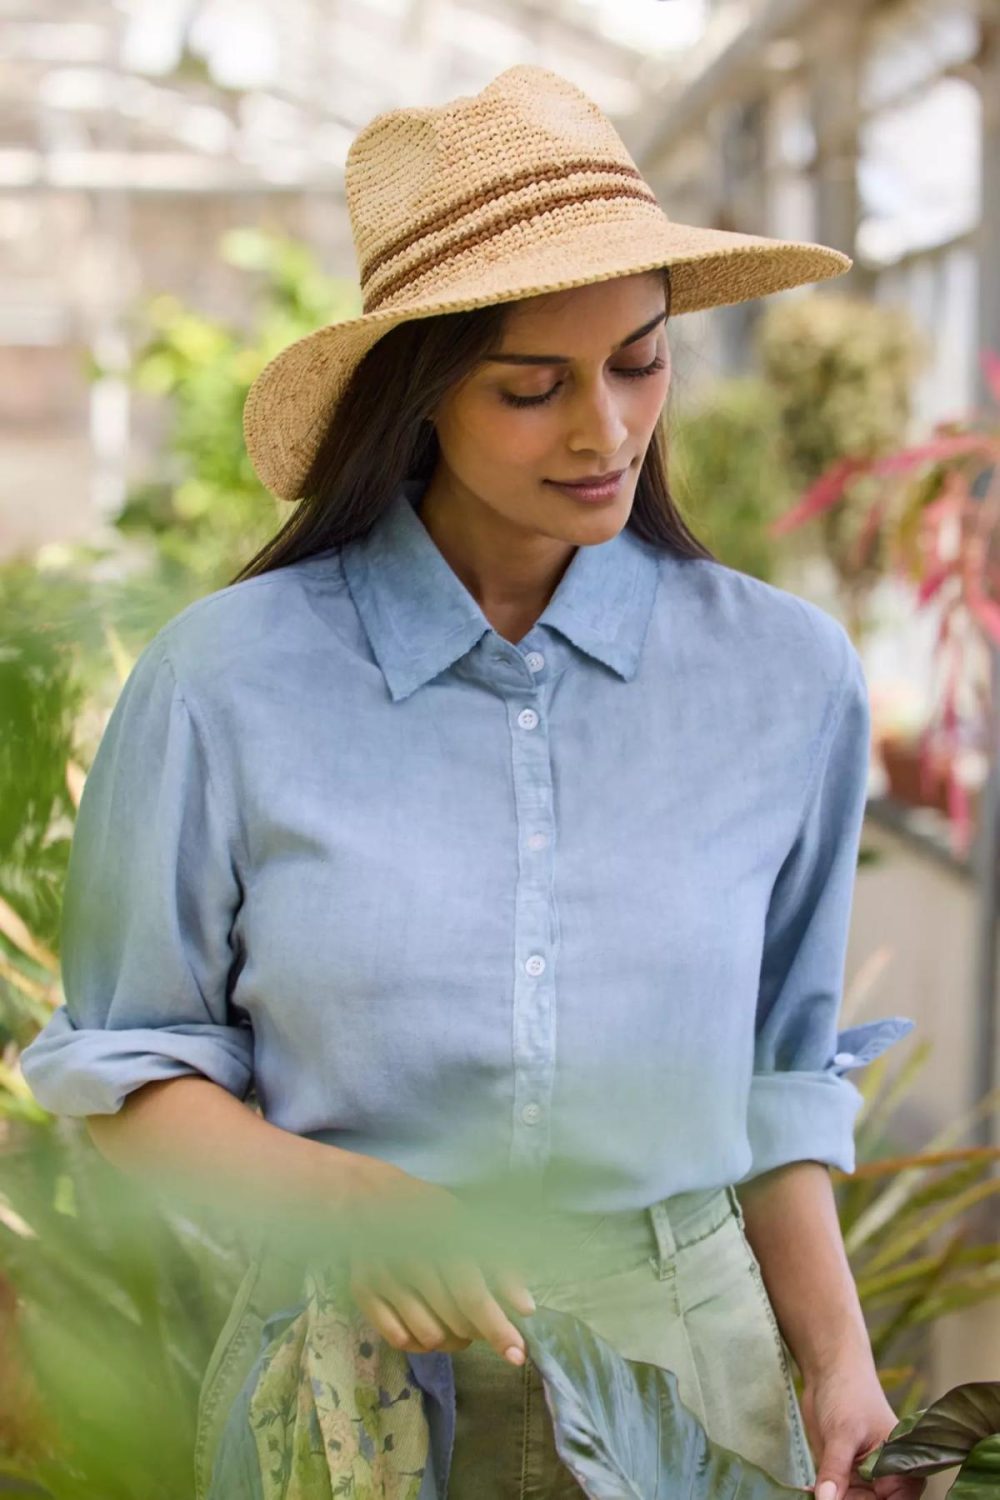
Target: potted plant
{"x": 931, "y": 511}
{"x": 842, "y": 370}
{"x": 728, "y": 472}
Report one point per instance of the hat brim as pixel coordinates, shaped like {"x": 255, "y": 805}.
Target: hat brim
{"x": 291, "y": 402}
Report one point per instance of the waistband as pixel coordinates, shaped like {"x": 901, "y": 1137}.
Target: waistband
{"x": 574, "y": 1246}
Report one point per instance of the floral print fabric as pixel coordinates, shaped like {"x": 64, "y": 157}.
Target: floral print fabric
{"x": 335, "y": 1410}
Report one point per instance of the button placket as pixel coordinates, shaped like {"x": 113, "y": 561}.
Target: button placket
{"x": 535, "y": 933}
{"x": 502, "y": 654}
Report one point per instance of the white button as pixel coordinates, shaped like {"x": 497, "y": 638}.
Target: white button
{"x": 535, "y": 660}
{"x": 844, "y": 1059}
{"x": 527, "y": 718}
{"x": 531, "y": 1114}
{"x": 535, "y": 964}
{"x": 537, "y": 840}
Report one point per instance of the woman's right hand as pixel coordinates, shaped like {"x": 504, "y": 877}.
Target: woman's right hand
{"x": 427, "y": 1299}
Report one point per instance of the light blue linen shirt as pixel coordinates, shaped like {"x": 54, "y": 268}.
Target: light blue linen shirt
{"x": 576, "y": 907}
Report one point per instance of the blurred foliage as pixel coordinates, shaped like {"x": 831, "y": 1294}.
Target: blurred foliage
{"x": 207, "y": 513}
{"x": 119, "y": 1301}
{"x": 843, "y": 371}
{"x": 729, "y": 473}
{"x": 40, "y": 701}
{"x": 909, "y": 1221}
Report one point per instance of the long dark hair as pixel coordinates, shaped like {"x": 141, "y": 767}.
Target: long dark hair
{"x": 378, "y": 437}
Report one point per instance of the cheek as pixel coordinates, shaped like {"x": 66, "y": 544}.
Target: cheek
{"x": 649, "y": 399}
{"x": 517, "y": 439}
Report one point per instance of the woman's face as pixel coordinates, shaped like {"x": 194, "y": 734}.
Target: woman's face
{"x": 582, "y": 397}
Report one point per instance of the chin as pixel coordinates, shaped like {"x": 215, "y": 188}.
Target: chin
{"x": 603, "y": 524}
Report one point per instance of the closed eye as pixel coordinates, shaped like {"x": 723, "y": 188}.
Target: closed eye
{"x": 637, "y": 374}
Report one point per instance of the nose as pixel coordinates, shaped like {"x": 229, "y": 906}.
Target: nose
{"x": 597, "y": 425}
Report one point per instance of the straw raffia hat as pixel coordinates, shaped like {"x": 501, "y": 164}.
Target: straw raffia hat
{"x": 521, "y": 189}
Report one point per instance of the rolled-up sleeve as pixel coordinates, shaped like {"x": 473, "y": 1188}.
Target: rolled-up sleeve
{"x": 149, "y": 906}
{"x": 801, "y": 1105}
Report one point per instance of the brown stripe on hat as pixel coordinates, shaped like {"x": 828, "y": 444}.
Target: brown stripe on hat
{"x": 482, "y": 233}
{"x": 487, "y": 193}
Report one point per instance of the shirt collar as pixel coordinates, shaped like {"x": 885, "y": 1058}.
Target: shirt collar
{"x": 420, "y": 618}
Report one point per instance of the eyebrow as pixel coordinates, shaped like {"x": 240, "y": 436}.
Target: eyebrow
{"x": 564, "y": 359}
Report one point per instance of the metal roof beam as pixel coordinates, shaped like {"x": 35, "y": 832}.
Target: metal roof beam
{"x": 726, "y": 73}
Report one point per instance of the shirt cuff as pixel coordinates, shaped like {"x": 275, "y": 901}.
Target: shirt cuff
{"x": 77, "y": 1071}
{"x": 800, "y": 1115}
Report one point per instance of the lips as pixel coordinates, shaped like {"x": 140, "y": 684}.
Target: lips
{"x": 591, "y": 481}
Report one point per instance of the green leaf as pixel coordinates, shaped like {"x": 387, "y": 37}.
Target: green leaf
{"x": 979, "y": 1476}
{"x": 944, "y": 1434}
{"x": 620, "y": 1425}
{"x": 894, "y": 1247}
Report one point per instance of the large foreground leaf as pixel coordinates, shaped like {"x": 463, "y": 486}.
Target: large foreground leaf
{"x": 621, "y": 1427}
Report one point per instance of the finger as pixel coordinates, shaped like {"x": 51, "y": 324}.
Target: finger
{"x": 427, "y": 1329}
{"x": 381, "y": 1317}
{"x": 485, "y": 1313}
{"x": 900, "y": 1486}
{"x": 510, "y": 1284}
{"x": 384, "y": 1320}
{"x": 375, "y": 1283}
{"x": 376, "y": 1279}
{"x": 433, "y": 1287}
{"x": 387, "y": 1322}
{"x": 833, "y": 1474}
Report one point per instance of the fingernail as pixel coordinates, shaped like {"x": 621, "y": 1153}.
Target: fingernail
{"x": 515, "y": 1355}
{"x": 827, "y": 1490}
{"x": 527, "y": 1302}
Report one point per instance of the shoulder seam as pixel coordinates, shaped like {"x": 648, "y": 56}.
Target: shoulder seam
{"x": 214, "y": 597}
{"x": 206, "y": 601}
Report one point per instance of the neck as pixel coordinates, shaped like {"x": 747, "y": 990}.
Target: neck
{"x": 511, "y": 573}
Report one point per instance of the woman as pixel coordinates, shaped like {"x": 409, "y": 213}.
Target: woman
{"x": 486, "y": 824}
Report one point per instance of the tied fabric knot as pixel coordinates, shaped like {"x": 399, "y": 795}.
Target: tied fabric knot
{"x": 334, "y": 1409}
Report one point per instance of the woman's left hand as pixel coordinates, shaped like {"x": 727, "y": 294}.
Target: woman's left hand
{"x": 846, "y": 1415}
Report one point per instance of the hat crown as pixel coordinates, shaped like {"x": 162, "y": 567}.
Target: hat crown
{"x": 419, "y": 179}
